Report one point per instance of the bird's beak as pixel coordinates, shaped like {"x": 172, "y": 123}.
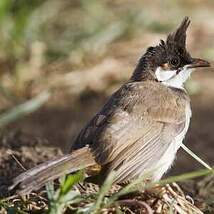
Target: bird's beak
{"x": 196, "y": 63}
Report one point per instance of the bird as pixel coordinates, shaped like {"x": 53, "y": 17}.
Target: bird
{"x": 139, "y": 129}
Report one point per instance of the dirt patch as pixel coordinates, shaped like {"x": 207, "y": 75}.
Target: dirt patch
{"x": 47, "y": 132}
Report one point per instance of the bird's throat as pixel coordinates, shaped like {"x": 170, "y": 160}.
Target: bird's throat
{"x": 173, "y": 78}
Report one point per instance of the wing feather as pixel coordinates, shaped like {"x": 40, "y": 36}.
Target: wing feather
{"x": 139, "y": 123}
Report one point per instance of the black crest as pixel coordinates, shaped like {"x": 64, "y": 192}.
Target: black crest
{"x": 174, "y": 49}
{"x": 176, "y": 41}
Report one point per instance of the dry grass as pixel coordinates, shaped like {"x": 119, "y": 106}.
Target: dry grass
{"x": 89, "y": 198}
{"x": 81, "y": 51}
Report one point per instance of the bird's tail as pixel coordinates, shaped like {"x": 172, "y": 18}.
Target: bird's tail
{"x": 36, "y": 177}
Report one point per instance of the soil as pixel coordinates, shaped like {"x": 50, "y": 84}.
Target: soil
{"x": 51, "y": 130}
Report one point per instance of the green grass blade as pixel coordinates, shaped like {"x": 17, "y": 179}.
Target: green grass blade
{"x": 133, "y": 185}
{"x": 185, "y": 176}
{"x": 70, "y": 181}
{"x": 24, "y": 109}
{"x": 104, "y": 189}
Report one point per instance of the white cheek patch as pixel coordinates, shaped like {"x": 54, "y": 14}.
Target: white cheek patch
{"x": 171, "y": 78}
{"x": 164, "y": 75}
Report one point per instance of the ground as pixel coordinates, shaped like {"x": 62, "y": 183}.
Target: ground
{"x": 80, "y": 91}
{"x": 49, "y": 132}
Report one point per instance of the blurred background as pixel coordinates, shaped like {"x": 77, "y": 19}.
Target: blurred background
{"x": 61, "y": 60}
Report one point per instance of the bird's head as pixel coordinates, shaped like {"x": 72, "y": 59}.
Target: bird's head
{"x": 169, "y": 62}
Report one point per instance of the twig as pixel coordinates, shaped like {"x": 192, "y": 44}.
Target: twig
{"x": 17, "y": 161}
{"x": 192, "y": 154}
{"x": 134, "y": 202}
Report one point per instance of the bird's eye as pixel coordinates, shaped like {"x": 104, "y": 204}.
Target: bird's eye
{"x": 175, "y": 62}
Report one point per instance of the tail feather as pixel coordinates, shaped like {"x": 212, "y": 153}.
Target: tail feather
{"x": 36, "y": 177}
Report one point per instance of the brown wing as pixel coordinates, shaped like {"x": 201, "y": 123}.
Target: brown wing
{"x": 139, "y": 148}
{"x": 135, "y": 127}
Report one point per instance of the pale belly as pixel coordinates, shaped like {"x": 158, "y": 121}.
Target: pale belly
{"x": 167, "y": 159}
